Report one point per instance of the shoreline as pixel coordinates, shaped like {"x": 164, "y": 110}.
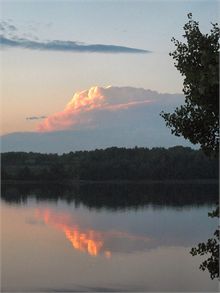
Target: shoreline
{"x": 116, "y": 182}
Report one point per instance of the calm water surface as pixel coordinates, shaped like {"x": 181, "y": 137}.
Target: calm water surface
{"x": 57, "y": 240}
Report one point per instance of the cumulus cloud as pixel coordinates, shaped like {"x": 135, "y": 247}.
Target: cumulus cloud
{"x": 98, "y": 104}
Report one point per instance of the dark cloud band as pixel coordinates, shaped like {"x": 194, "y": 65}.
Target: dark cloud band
{"x": 65, "y": 46}
{"x": 36, "y": 117}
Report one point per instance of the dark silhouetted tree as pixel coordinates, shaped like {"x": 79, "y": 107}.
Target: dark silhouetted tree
{"x": 198, "y": 119}
{"x": 211, "y": 248}
{"x": 198, "y": 62}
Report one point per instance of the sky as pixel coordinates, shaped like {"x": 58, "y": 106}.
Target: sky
{"x": 53, "y": 51}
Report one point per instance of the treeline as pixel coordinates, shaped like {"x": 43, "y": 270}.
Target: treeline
{"x": 176, "y": 163}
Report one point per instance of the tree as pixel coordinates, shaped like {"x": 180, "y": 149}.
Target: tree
{"x": 198, "y": 62}
{"x": 211, "y": 247}
{"x": 198, "y": 119}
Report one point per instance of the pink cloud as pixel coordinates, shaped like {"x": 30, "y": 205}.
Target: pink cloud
{"x": 80, "y": 110}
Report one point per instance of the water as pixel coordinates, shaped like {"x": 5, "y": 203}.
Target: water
{"x": 105, "y": 237}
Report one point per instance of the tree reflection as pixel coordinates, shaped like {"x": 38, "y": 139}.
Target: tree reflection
{"x": 211, "y": 247}
{"x": 115, "y": 196}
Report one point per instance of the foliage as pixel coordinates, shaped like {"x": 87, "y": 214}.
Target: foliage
{"x": 198, "y": 62}
{"x": 211, "y": 247}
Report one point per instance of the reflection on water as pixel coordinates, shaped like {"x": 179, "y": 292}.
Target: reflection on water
{"x": 105, "y": 237}
{"x": 116, "y": 196}
{"x": 88, "y": 240}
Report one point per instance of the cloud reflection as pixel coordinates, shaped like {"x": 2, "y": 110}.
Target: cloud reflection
{"x": 88, "y": 240}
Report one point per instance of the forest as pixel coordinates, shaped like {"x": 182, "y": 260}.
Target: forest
{"x": 133, "y": 164}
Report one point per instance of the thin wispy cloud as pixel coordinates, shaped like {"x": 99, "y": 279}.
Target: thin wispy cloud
{"x": 12, "y": 37}
{"x": 7, "y": 26}
{"x": 36, "y": 117}
{"x": 65, "y": 46}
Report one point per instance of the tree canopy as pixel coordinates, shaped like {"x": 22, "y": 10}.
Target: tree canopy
{"x": 175, "y": 163}
{"x": 198, "y": 119}
{"x": 198, "y": 62}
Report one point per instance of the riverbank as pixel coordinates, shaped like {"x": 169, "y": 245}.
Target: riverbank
{"x": 117, "y": 182}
